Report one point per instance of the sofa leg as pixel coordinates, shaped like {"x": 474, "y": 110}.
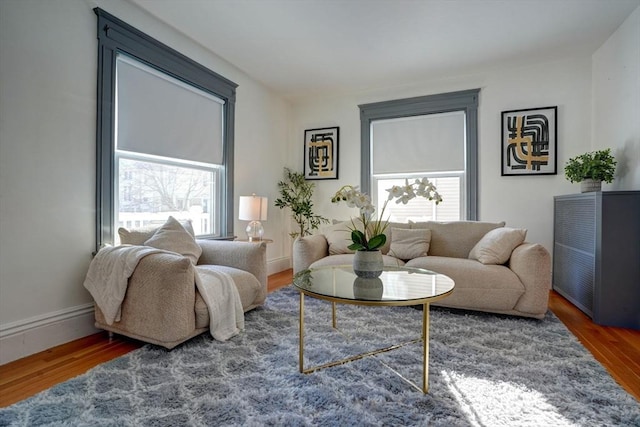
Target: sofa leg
{"x": 110, "y": 336}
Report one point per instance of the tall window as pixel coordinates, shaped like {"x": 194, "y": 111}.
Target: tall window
{"x": 165, "y": 136}
{"x": 433, "y": 136}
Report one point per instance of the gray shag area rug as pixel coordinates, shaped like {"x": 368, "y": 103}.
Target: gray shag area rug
{"x": 485, "y": 370}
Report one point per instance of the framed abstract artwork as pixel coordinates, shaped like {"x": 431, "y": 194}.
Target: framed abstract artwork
{"x": 530, "y": 141}
{"x": 321, "y": 153}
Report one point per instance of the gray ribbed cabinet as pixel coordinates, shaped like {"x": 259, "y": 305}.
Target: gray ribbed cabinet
{"x": 596, "y": 255}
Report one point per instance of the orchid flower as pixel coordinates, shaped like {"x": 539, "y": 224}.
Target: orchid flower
{"x": 372, "y": 237}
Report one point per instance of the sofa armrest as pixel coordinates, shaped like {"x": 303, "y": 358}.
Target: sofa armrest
{"x": 247, "y": 256}
{"x": 307, "y": 250}
{"x": 160, "y": 299}
{"x": 531, "y": 262}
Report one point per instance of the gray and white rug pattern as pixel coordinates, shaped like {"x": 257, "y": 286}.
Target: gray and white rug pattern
{"x": 485, "y": 370}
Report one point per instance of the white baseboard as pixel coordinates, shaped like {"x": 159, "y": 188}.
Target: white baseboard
{"x": 278, "y": 264}
{"x": 39, "y": 333}
{"x": 29, "y": 336}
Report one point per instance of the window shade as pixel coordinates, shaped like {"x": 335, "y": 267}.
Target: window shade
{"x": 163, "y": 116}
{"x": 427, "y": 143}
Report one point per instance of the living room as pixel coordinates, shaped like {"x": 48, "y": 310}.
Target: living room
{"x": 48, "y": 134}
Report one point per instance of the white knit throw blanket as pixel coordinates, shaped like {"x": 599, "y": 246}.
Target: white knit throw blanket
{"x": 109, "y": 273}
{"x": 219, "y": 292}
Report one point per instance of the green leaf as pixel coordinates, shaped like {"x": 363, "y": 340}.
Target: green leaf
{"x": 356, "y": 247}
{"x": 358, "y": 237}
{"x": 377, "y": 241}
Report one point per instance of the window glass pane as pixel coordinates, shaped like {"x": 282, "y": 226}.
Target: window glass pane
{"x": 149, "y": 192}
{"x": 421, "y": 209}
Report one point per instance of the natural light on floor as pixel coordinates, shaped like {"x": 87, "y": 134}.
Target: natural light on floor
{"x": 500, "y": 403}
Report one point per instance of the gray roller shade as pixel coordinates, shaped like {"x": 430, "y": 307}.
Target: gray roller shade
{"x": 426, "y": 143}
{"x": 163, "y": 116}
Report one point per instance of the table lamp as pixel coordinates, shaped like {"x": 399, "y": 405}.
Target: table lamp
{"x": 253, "y": 208}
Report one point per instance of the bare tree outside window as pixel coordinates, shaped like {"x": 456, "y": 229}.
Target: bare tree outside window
{"x": 150, "y": 192}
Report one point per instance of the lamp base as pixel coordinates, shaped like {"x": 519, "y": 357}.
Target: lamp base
{"x": 255, "y": 231}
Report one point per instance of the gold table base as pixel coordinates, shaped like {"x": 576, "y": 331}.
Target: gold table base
{"x": 424, "y": 338}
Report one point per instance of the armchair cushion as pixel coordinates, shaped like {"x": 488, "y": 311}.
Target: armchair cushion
{"x": 140, "y": 235}
{"x": 173, "y": 237}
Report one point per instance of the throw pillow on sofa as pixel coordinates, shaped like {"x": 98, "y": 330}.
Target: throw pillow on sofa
{"x": 496, "y": 246}
{"x": 339, "y": 236}
{"x": 409, "y": 244}
{"x": 140, "y": 235}
{"x": 173, "y": 237}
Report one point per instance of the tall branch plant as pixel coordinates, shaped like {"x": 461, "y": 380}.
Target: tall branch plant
{"x": 296, "y": 194}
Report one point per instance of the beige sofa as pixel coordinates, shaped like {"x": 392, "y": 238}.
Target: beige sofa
{"x": 518, "y": 285}
{"x": 162, "y": 305}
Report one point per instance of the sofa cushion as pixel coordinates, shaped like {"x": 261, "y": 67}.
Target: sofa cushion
{"x": 496, "y": 246}
{"x": 389, "y": 233}
{"x": 409, "y": 244}
{"x": 347, "y": 259}
{"x": 173, "y": 237}
{"x": 478, "y": 286}
{"x": 339, "y": 236}
{"x": 455, "y": 239}
{"x": 138, "y": 236}
{"x": 248, "y": 287}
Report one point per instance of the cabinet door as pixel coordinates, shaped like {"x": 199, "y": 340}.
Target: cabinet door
{"x": 575, "y": 249}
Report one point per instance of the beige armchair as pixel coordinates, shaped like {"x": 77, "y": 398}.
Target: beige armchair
{"x": 162, "y": 305}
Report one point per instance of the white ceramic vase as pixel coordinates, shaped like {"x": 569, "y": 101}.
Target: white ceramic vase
{"x": 368, "y": 264}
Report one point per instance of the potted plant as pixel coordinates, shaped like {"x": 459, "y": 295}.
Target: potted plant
{"x": 295, "y": 194}
{"x": 590, "y": 169}
{"x": 369, "y": 238}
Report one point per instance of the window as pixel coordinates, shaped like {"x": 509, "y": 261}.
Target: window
{"x": 433, "y": 136}
{"x": 164, "y": 137}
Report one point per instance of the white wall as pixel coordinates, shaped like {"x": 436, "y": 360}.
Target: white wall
{"x": 616, "y": 106}
{"x": 47, "y": 161}
{"x": 520, "y": 201}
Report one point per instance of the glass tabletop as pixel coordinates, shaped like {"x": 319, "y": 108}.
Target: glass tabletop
{"x": 395, "y": 286}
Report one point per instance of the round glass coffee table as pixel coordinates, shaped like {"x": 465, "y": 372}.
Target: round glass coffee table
{"x": 396, "y": 286}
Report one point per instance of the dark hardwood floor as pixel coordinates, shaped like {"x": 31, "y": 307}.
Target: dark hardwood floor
{"x": 617, "y": 349}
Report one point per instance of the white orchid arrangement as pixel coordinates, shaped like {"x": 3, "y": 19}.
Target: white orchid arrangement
{"x": 372, "y": 237}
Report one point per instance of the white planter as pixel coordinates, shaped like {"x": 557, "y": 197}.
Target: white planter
{"x": 368, "y": 264}
{"x": 589, "y": 185}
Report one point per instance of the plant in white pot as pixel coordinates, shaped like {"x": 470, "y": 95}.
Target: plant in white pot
{"x": 296, "y": 194}
{"x": 590, "y": 169}
{"x": 367, "y": 232}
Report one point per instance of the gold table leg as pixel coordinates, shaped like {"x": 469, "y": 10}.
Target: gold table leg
{"x": 301, "y": 356}
{"x": 424, "y": 338}
{"x": 425, "y": 348}
{"x": 333, "y": 314}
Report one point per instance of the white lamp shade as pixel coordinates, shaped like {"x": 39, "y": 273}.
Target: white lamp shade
{"x": 253, "y": 208}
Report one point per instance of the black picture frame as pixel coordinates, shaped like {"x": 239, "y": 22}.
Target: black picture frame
{"x": 321, "y": 153}
{"x": 529, "y": 143}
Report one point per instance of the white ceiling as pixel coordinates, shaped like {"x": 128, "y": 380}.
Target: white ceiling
{"x": 304, "y": 47}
